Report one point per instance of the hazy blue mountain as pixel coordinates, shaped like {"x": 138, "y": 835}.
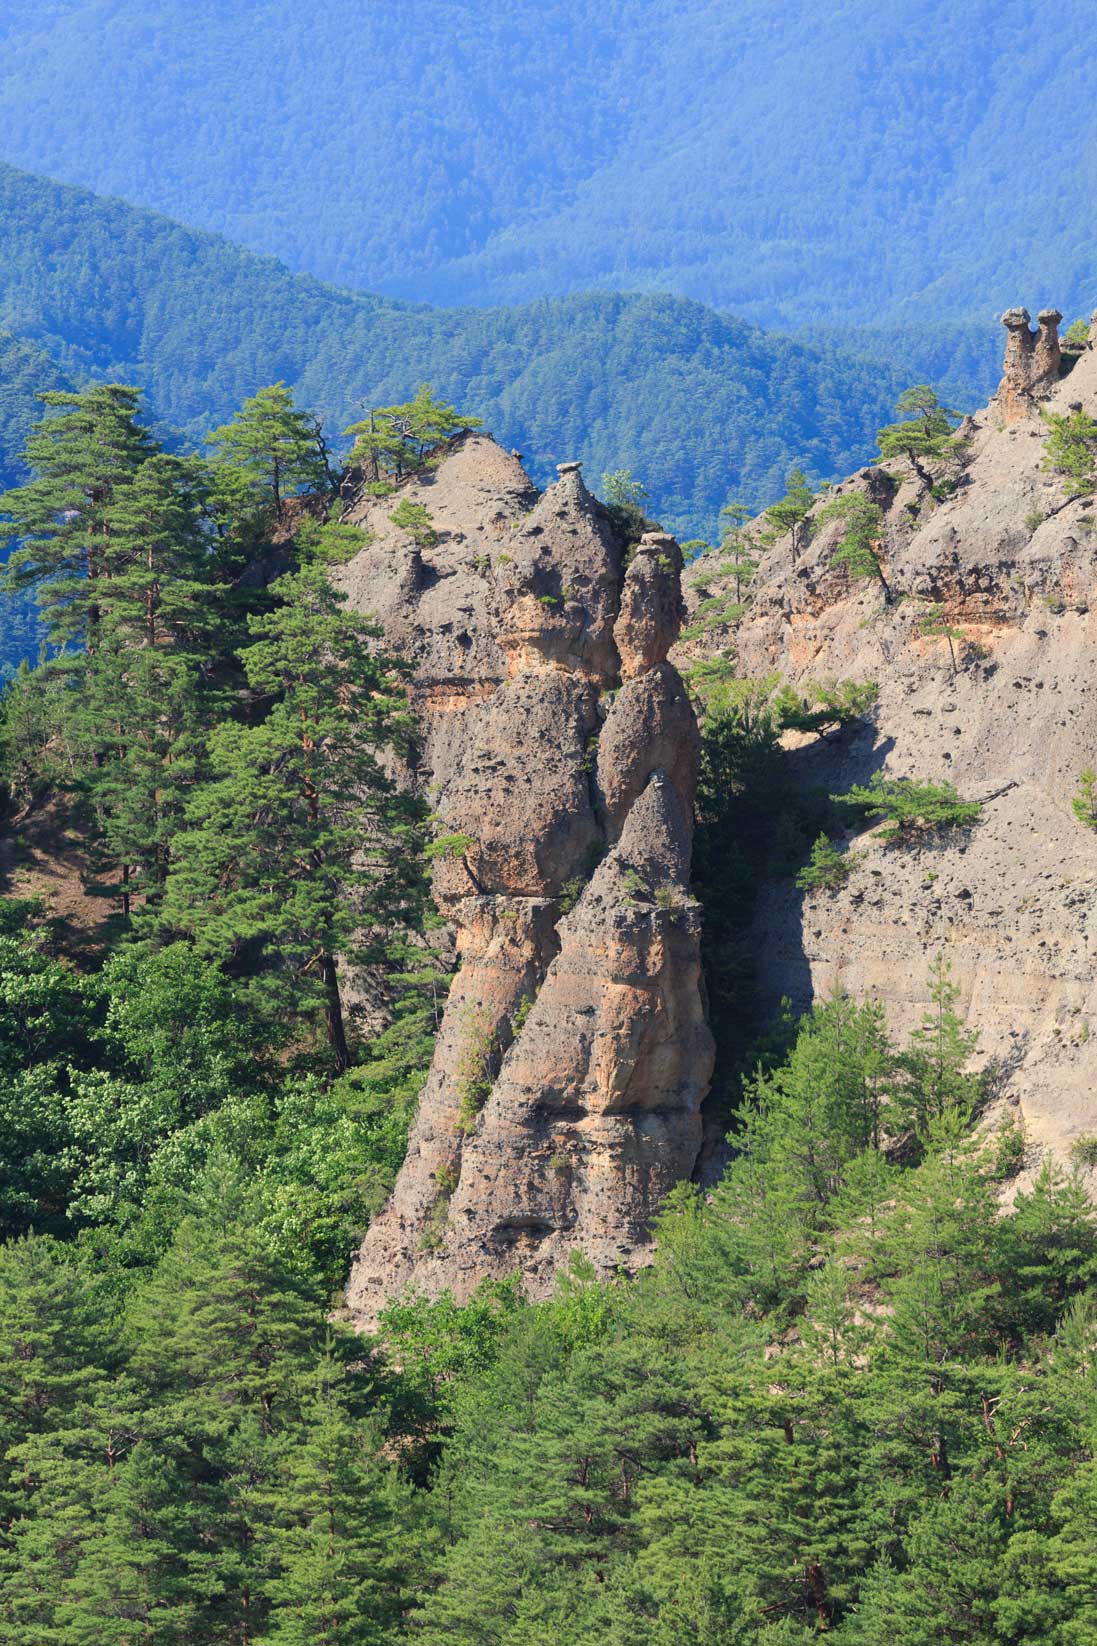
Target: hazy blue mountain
{"x": 698, "y": 404}
{"x": 848, "y": 163}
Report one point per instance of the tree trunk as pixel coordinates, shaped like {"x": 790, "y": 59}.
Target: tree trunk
{"x": 333, "y": 1013}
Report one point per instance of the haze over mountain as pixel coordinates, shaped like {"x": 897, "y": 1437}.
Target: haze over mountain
{"x": 692, "y": 401}
{"x": 846, "y": 163}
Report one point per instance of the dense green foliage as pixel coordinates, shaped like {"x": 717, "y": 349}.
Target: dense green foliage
{"x": 690, "y": 400}
{"x": 794, "y": 164}
{"x": 755, "y": 821}
{"x": 853, "y": 1397}
{"x": 1072, "y": 450}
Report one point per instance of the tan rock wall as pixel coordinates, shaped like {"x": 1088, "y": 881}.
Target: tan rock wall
{"x": 564, "y": 1097}
{"x": 1013, "y": 903}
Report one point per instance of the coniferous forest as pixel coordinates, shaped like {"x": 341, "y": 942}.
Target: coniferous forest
{"x": 850, "y": 1399}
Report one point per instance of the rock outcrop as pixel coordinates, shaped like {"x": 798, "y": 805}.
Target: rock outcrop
{"x": 558, "y": 742}
{"x": 1032, "y": 363}
{"x": 1012, "y": 564}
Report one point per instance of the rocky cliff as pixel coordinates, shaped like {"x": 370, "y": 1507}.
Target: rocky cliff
{"x": 1012, "y": 903}
{"x": 560, "y": 749}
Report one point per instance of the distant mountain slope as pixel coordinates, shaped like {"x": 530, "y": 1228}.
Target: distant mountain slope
{"x": 693, "y": 401}
{"x": 25, "y": 370}
{"x": 796, "y": 163}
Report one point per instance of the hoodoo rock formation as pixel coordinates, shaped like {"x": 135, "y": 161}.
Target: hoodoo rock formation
{"x": 560, "y": 746}
{"x": 1032, "y": 363}
{"x": 1002, "y": 552}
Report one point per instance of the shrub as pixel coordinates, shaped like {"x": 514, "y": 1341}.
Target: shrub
{"x": 1009, "y": 1150}
{"x": 1083, "y": 1151}
{"x": 414, "y": 519}
{"x": 826, "y": 869}
{"x": 911, "y": 809}
{"x": 475, "y": 1070}
{"x": 1072, "y": 450}
{"x": 1084, "y": 804}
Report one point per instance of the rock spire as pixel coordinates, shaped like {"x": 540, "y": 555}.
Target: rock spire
{"x": 564, "y": 1098}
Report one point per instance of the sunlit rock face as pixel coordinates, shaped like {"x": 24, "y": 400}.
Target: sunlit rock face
{"x": 564, "y": 1098}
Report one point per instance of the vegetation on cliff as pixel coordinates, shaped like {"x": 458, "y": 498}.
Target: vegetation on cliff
{"x": 851, "y": 1397}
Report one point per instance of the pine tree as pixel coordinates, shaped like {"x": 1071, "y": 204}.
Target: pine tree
{"x": 829, "y": 1101}
{"x": 342, "y": 1528}
{"x": 789, "y": 513}
{"x": 944, "y": 1236}
{"x": 924, "y": 430}
{"x": 934, "y": 1063}
{"x": 1049, "y": 1250}
{"x": 139, "y": 733}
{"x": 395, "y": 440}
{"x": 221, "y": 1337}
{"x": 276, "y": 448}
{"x": 1072, "y": 450}
{"x": 860, "y": 548}
{"x": 80, "y": 458}
{"x": 102, "y": 1551}
{"x": 936, "y": 626}
{"x": 300, "y": 844}
{"x": 737, "y": 563}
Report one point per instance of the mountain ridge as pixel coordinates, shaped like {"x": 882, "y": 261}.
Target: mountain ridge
{"x": 692, "y": 401}
{"x": 831, "y": 162}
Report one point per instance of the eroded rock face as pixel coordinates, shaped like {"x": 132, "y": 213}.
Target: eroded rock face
{"x": 1012, "y": 904}
{"x": 1032, "y": 361}
{"x": 564, "y": 1098}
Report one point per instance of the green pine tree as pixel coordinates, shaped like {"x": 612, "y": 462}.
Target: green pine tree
{"x": 396, "y": 440}
{"x": 87, "y": 447}
{"x": 860, "y": 548}
{"x": 342, "y": 1531}
{"x": 277, "y": 449}
{"x": 936, "y": 1078}
{"x": 300, "y": 846}
{"x": 789, "y": 513}
{"x": 924, "y": 432}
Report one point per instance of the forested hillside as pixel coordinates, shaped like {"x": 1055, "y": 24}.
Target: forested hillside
{"x": 693, "y": 402}
{"x": 803, "y": 165}
{"x": 852, "y": 1399}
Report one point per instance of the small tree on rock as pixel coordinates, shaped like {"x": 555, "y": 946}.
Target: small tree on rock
{"x": 912, "y": 810}
{"x": 924, "y": 431}
{"x": 789, "y": 513}
{"x": 936, "y": 626}
{"x": 278, "y": 449}
{"x": 1071, "y": 451}
{"x": 858, "y": 549}
{"x": 398, "y": 440}
{"x": 1084, "y": 804}
{"x": 737, "y": 562}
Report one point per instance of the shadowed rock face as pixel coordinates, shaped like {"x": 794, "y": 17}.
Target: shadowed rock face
{"x": 1012, "y": 903}
{"x": 564, "y": 1098}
